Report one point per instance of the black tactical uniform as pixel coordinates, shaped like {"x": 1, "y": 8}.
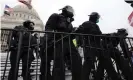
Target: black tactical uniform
{"x": 60, "y": 23}
{"x": 24, "y": 50}
{"x": 110, "y": 44}
{"x": 92, "y": 48}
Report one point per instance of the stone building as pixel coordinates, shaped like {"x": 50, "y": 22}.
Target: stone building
{"x": 20, "y": 13}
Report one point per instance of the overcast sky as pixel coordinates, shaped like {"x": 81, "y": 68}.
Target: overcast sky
{"x": 114, "y": 13}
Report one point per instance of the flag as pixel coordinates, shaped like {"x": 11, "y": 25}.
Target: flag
{"x": 27, "y": 3}
{"x": 7, "y": 10}
{"x": 130, "y": 19}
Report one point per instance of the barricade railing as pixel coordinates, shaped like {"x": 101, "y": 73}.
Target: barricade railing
{"x": 60, "y": 49}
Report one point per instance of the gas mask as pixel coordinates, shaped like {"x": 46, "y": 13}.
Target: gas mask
{"x": 69, "y": 20}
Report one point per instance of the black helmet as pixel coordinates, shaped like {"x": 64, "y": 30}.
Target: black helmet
{"x": 94, "y": 17}
{"x": 122, "y": 30}
{"x": 27, "y": 24}
{"x": 94, "y": 14}
{"x": 68, "y": 10}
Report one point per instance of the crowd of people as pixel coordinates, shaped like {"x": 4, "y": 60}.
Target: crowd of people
{"x": 99, "y": 49}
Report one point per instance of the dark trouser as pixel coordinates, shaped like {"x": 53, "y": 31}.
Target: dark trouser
{"x": 63, "y": 50}
{"x": 45, "y": 67}
{"x": 32, "y": 58}
{"x": 105, "y": 60}
{"x": 121, "y": 63}
{"x": 68, "y": 62}
{"x": 25, "y": 69}
{"x": 106, "y": 64}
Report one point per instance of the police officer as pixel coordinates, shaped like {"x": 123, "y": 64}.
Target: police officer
{"x": 111, "y": 46}
{"x": 27, "y": 25}
{"x": 62, "y": 23}
{"x": 91, "y": 44}
{"x": 122, "y": 62}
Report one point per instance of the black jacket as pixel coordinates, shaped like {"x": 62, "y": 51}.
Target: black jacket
{"x": 113, "y": 40}
{"x": 57, "y": 23}
{"x": 15, "y": 37}
{"x": 91, "y": 28}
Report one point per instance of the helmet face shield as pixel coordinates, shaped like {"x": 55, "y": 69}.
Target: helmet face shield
{"x": 70, "y": 9}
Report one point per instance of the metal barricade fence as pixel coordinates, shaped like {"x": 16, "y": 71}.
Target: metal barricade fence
{"x": 56, "y": 51}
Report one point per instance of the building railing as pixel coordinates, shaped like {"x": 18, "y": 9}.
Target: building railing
{"x": 52, "y": 45}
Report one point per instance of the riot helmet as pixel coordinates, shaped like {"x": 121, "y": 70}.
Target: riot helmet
{"x": 94, "y": 17}
{"x": 68, "y": 11}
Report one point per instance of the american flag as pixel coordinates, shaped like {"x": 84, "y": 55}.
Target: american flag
{"x": 27, "y": 3}
{"x": 7, "y": 10}
{"x": 130, "y": 19}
